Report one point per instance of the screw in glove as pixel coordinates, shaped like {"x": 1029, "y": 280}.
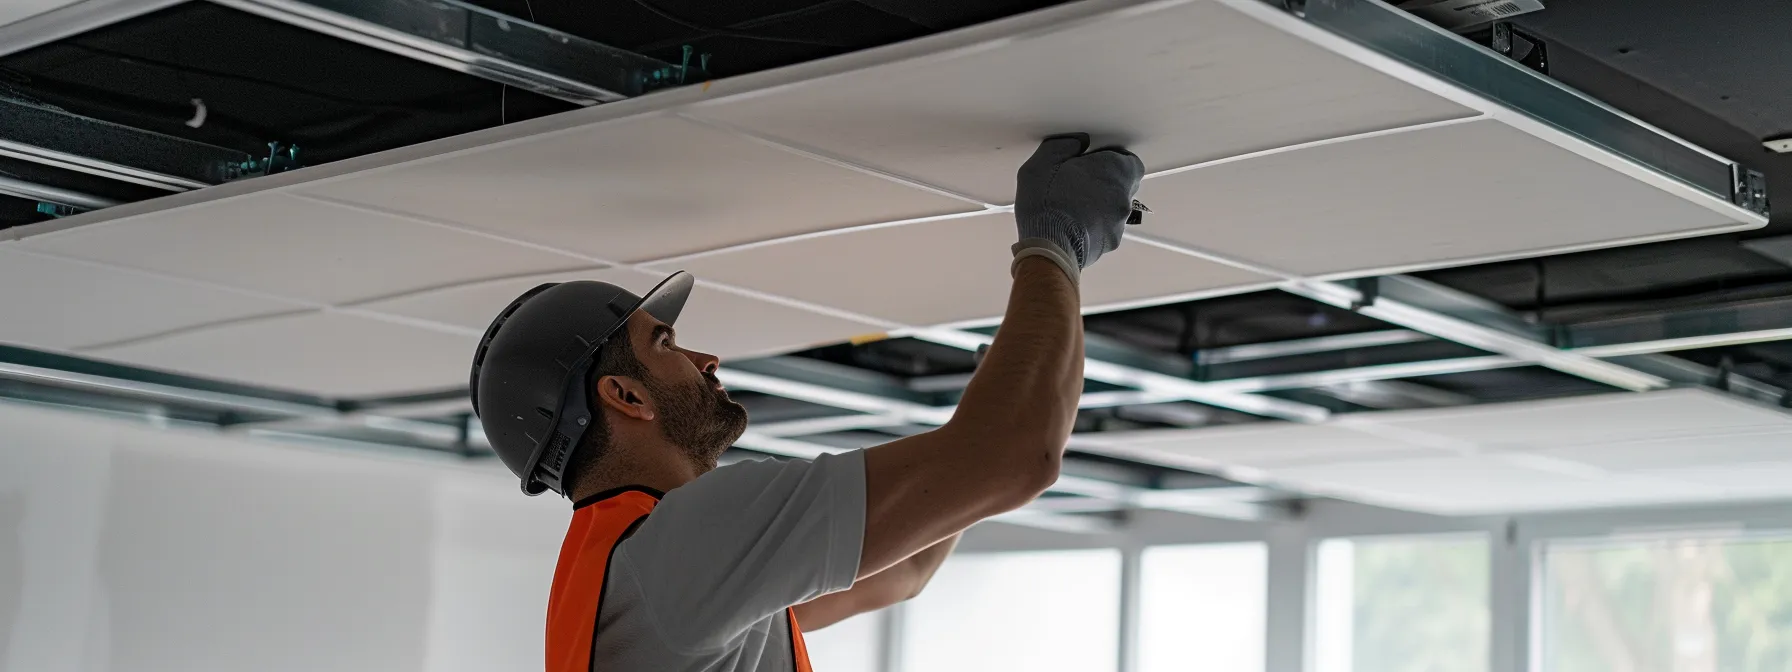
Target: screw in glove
{"x": 1138, "y": 213}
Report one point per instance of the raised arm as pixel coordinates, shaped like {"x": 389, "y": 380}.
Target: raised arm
{"x": 1004, "y": 444}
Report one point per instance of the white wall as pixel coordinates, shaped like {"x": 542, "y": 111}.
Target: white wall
{"x": 1046, "y": 611}
{"x": 126, "y": 548}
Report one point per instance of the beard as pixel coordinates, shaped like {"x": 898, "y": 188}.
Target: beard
{"x": 698, "y": 417}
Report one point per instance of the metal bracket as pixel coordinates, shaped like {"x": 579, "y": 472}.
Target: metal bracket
{"x": 1726, "y": 366}
{"x": 281, "y": 157}
{"x": 1749, "y": 189}
{"x": 1369, "y": 289}
{"x": 676, "y": 75}
{"x": 1520, "y": 46}
{"x": 57, "y": 210}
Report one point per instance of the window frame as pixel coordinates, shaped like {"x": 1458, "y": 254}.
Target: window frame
{"x": 1516, "y": 548}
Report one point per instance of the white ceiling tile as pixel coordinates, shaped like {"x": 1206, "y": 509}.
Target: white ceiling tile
{"x": 471, "y": 306}
{"x": 15, "y": 10}
{"x": 1265, "y": 445}
{"x": 65, "y": 305}
{"x": 299, "y": 248}
{"x": 1423, "y": 198}
{"x": 1586, "y": 420}
{"x": 639, "y": 188}
{"x": 1179, "y": 83}
{"x": 1621, "y": 449}
{"x": 715, "y": 321}
{"x": 1483, "y": 485}
{"x": 1740, "y": 481}
{"x": 324, "y": 353}
{"x": 946, "y": 271}
{"x": 730, "y": 325}
{"x": 1691, "y": 450}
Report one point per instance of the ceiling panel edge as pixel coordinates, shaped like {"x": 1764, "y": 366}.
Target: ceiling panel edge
{"x": 1521, "y": 119}
{"x": 978, "y": 36}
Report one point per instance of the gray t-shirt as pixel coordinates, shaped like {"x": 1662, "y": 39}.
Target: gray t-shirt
{"x": 704, "y": 582}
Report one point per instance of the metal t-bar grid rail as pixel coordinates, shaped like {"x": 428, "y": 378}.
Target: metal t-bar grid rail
{"x": 1630, "y": 347}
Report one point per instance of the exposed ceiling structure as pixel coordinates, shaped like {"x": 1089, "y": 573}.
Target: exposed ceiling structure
{"x": 1376, "y": 248}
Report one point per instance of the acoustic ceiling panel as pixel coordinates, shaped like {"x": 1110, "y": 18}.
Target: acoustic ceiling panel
{"x": 1661, "y": 447}
{"x": 1180, "y": 83}
{"x": 1598, "y": 419}
{"x": 329, "y": 353}
{"x": 1742, "y": 447}
{"x": 1755, "y": 480}
{"x": 298, "y": 248}
{"x": 1265, "y": 445}
{"x": 1418, "y": 199}
{"x": 1484, "y": 485}
{"x": 59, "y": 304}
{"x": 723, "y": 323}
{"x": 731, "y": 324}
{"x": 470, "y": 306}
{"x": 14, "y": 10}
{"x": 638, "y": 189}
{"x": 946, "y": 271}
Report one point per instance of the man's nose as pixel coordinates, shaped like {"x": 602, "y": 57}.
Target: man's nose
{"x": 704, "y": 361}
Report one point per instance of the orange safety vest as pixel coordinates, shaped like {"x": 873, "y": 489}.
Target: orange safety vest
{"x": 598, "y": 525}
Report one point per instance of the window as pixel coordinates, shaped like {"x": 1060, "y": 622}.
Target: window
{"x": 1049, "y": 611}
{"x": 1201, "y": 608}
{"x": 1688, "y": 604}
{"x": 1403, "y": 604}
{"x": 848, "y": 646}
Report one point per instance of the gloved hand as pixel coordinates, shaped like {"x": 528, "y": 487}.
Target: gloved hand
{"x": 1071, "y": 206}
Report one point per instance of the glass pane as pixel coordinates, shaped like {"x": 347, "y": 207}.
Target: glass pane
{"x": 1403, "y": 604}
{"x": 1049, "y": 611}
{"x": 1201, "y": 608}
{"x": 848, "y": 646}
{"x": 1702, "y": 604}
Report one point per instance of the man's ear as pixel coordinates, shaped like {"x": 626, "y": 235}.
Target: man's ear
{"x": 625, "y": 396}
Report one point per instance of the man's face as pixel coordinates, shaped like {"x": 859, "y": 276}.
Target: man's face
{"x": 693, "y": 410}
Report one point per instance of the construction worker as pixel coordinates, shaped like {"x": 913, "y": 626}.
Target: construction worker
{"x": 671, "y": 563}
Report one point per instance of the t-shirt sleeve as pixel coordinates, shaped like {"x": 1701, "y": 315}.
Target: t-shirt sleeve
{"x": 746, "y": 541}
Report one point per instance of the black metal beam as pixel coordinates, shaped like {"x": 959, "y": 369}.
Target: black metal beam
{"x": 479, "y": 42}
{"x": 1732, "y": 323}
{"x": 55, "y": 137}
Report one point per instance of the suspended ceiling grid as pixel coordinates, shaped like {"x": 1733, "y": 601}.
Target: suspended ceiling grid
{"x": 859, "y": 194}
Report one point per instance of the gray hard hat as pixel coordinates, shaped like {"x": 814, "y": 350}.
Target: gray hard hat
{"x": 531, "y": 373}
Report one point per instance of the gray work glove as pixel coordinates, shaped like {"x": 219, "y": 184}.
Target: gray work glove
{"x": 1072, "y": 205}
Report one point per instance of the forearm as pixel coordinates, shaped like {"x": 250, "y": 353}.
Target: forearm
{"x": 1024, "y": 394}
{"x": 923, "y": 565}
{"x": 902, "y": 581}
{"x": 905, "y": 579}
